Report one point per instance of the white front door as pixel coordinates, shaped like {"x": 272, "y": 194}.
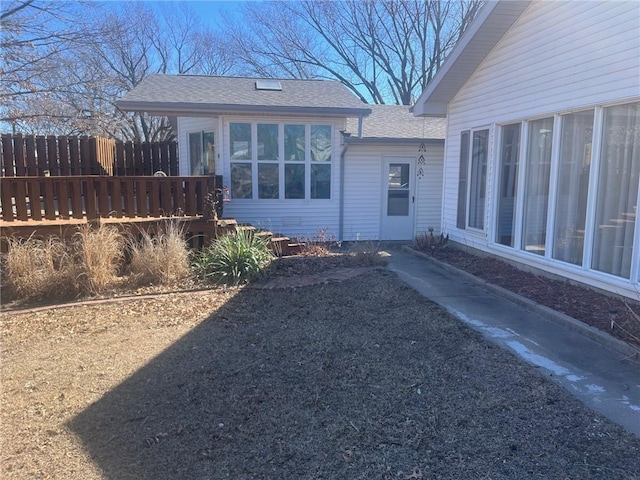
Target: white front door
{"x": 398, "y": 203}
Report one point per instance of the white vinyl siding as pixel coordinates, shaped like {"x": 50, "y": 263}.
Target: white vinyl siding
{"x": 558, "y": 58}
{"x": 363, "y": 196}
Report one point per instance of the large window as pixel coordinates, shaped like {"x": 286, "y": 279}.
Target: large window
{"x": 268, "y": 155}
{"x": 280, "y": 161}
{"x": 201, "y": 153}
{"x": 320, "y": 161}
{"x": 461, "y": 221}
{"x": 573, "y": 186}
{"x": 617, "y": 198}
{"x": 478, "y": 179}
{"x": 574, "y": 195}
{"x": 241, "y": 170}
{"x": 509, "y": 158}
{"x": 536, "y": 191}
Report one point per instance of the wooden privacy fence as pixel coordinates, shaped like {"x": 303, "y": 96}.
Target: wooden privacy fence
{"x": 29, "y": 155}
{"x": 93, "y": 197}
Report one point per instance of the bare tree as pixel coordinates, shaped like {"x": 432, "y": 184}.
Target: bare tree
{"x": 35, "y": 39}
{"x": 64, "y": 68}
{"x": 385, "y": 51}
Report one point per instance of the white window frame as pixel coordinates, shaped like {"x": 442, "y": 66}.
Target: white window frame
{"x": 281, "y": 161}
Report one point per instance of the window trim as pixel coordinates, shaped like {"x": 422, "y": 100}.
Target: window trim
{"x": 281, "y": 161}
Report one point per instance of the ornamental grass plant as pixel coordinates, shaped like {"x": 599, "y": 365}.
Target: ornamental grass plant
{"x": 234, "y": 258}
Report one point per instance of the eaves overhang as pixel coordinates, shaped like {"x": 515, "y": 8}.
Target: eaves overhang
{"x": 493, "y": 21}
{"x": 204, "y": 109}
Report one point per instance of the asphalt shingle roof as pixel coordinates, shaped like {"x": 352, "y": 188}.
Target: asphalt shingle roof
{"x": 396, "y": 121}
{"x": 172, "y": 94}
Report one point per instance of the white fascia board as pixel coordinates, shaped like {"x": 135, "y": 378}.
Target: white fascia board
{"x": 476, "y": 43}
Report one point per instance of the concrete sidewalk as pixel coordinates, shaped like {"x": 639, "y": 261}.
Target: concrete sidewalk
{"x": 591, "y": 365}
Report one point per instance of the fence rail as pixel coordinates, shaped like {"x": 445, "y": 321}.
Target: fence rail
{"x": 92, "y": 197}
{"x": 29, "y": 155}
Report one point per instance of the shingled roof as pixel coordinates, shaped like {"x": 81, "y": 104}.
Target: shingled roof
{"x": 388, "y": 123}
{"x": 189, "y": 95}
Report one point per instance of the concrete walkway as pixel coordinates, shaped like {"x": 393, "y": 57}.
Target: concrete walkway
{"x": 592, "y": 366}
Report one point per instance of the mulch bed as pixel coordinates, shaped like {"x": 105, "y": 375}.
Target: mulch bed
{"x": 605, "y": 312}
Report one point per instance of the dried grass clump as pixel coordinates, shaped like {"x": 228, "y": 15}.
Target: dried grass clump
{"x": 99, "y": 255}
{"x": 367, "y": 254}
{"x": 36, "y": 268}
{"x": 319, "y": 245}
{"x": 161, "y": 259}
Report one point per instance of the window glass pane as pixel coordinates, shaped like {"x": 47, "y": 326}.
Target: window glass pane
{"x": 268, "y": 180}
{"x": 573, "y": 185}
{"x": 397, "y": 203}
{"x": 536, "y": 195}
{"x": 267, "y": 141}
{"x": 294, "y": 142}
{"x": 399, "y": 175}
{"x": 618, "y": 178}
{"x": 509, "y": 157}
{"x": 321, "y": 180}
{"x": 294, "y": 181}
{"x": 208, "y": 153}
{"x": 241, "y": 180}
{"x": 320, "y": 143}
{"x": 461, "y": 221}
{"x": 195, "y": 153}
{"x": 240, "y": 141}
{"x": 478, "y": 178}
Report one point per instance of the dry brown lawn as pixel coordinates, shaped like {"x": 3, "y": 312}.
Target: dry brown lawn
{"x": 358, "y": 379}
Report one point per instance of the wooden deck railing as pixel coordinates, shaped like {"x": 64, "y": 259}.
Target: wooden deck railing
{"x": 92, "y": 197}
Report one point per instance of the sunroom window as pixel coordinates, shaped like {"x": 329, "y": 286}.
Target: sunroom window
{"x": 573, "y": 186}
{"x": 280, "y": 161}
{"x": 508, "y": 189}
{"x": 592, "y": 221}
{"x": 478, "y": 178}
{"x": 617, "y": 198}
{"x": 536, "y": 189}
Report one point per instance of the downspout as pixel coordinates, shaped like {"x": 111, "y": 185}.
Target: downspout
{"x": 343, "y": 153}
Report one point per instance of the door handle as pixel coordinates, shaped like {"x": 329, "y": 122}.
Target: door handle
{"x": 413, "y": 199}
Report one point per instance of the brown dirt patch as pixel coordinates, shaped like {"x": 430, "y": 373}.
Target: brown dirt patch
{"x": 358, "y": 379}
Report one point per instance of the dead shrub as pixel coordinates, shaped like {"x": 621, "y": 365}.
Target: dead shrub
{"x": 160, "y": 259}
{"x": 367, "y": 254}
{"x": 98, "y": 256}
{"x": 36, "y": 268}
{"x": 318, "y": 245}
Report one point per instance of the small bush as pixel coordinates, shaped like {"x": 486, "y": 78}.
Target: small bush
{"x": 235, "y": 258}
{"x": 161, "y": 259}
{"x": 367, "y": 254}
{"x": 428, "y": 242}
{"x": 35, "y": 268}
{"x": 319, "y": 244}
{"x": 98, "y": 256}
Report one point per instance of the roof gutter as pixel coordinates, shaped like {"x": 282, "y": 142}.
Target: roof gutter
{"x": 207, "y": 109}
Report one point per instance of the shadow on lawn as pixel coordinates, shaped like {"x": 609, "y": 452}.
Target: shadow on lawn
{"x": 364, "y": 379}
{"x": 220, "y": 402}
{"x": 171, "y": 418}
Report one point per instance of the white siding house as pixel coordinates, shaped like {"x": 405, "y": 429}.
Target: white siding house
{"x": 542, "y": 159}
{"x": 393, "y": 143}
{"x": 301, "y": 156}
